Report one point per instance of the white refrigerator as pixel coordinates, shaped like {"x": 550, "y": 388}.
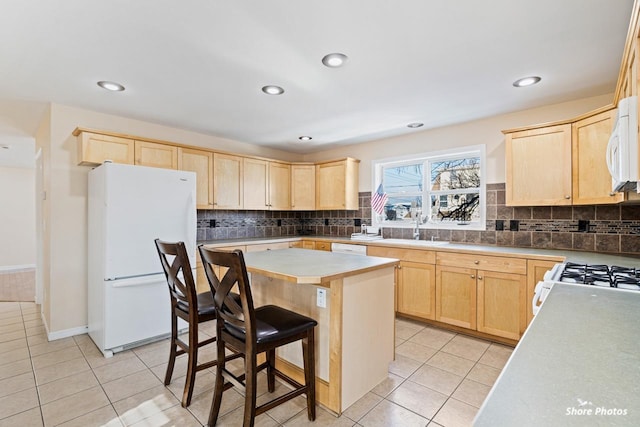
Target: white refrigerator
{"x": 128, "y": 208}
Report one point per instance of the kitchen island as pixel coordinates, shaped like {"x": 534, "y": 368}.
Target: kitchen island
{"x": 351, "y": 297}
{"x": 578, "y": 363}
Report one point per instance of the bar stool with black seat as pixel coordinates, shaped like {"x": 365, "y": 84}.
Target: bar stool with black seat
{"x": 188, "y": 305}
{"x": 250, "y": 331}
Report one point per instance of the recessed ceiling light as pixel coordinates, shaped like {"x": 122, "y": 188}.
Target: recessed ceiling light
{"x": 415, "y": 125}
{"x": 112, "y": 86}
{"x": 272, "y": 90}
{"x": 305, "y": 138}
{"x": 526, "y": 81}
{"x": 334, "y": 60}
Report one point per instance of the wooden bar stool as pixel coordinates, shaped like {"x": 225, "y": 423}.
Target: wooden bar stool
{"x": 250, "y": 331}
{"x": 188, "y": 305}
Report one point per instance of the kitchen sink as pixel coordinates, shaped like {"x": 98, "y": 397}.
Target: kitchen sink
{"x": 365, "y": 237}
{"x": 425, "y": 243}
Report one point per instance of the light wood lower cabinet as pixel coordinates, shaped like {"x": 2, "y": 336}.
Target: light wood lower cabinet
{"x": 502, "y": 303}
{"x": 456, "y": 296}
{"x": 535, "y": 273}
{"x": 416, "y": 289}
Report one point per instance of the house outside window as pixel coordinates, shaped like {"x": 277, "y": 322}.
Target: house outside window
{"x": 437, "y": 190}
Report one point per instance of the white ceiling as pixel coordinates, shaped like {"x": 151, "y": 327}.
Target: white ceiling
{"x": 199, "y": 65}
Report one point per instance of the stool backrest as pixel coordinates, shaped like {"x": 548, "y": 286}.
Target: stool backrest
{"x": 177, "y": 270}
{"x": 242, "y": 315}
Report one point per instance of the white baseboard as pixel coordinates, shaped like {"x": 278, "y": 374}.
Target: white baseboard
{"x": 66, "y": 333}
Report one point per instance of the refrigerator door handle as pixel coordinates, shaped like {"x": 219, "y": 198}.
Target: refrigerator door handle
{"x": 192, "y": 216}
{"x": 135, "y": 281}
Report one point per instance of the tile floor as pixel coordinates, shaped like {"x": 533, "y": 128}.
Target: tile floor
{"x": 439, "y": 378}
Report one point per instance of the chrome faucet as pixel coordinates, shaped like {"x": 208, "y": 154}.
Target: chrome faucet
{"x": 416, "y": 213}
{"x": 416, "y": 231}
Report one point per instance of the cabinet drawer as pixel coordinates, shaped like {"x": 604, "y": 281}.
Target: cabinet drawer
{"x": 414, "y": 255}
{"x": 483, "y": 262}
{"x": 323, "y": 246}
{"x": 267, "y": 247}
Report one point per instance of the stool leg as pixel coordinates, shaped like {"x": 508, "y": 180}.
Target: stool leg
{"x": 219, "y": 384}
{"x": 309, "y": 356}
{"x": 271, "y": 376}
{"x": 192, "y": 364}
{"x": 250, "y": 388}
{"x": 173, "y": 350}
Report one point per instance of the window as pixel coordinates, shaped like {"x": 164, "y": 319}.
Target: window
{"x": 439, "y": 190}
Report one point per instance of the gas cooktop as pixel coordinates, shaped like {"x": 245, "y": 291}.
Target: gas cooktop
{"x": 601, "y": 275}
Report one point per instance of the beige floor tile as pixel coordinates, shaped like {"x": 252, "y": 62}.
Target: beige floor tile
{"x": 179, "y": 369}
{"x": 30, "y": 418}
{"x": 399, "y": 341}
{"x": 174, "y": 416}
{"x": 66, "y": 386}
{"x": 18, "y": 402}
{"x": 144, "y": 405}
{"x": 456, "y": 414}
{"x": 362, "y": 406}
{"x": 10, "y": 336}
{"x": 12, "y": 345}
{"x": 56, "y": 357}
{"x": 71, "y": 407}
{"x": 37, "y": 339}
{"x": 388, "y": 385}
{"x": 235, "y": 418}
{"x": 48, "y": 347}
{"x": 12, "y": 327}
{"x": 405, "y": 329}
{"x": 323, "y": 418}
{"x": 15, "y": 368}
{"x": 415, "y": 351}
{"x": 154, "y": 354}
{"x": 496, "y": 356}
{"x": 403, "y": 366}
{"x": 471, "y": 392}
{"x": 35, "y": 330}
{"x": 201, "y": 405}
{"x": 11, "y": 320}
{"x": 205, "y": 381}
{"x": 484, "y": 374}
{"x": 102, "y": 417}
{"x": 467, "y": 347}
{"x": 450, "y": 363}
{"x": 61, "y": 370}
{"x": 31, "y": 316}
{"x": 417, "y": 398}
{"x": 389, "y": 414}
{"x": 33, "y": 322}
{"x": 287, "y": 410}
{"x": 14, "y": 356}
{"x": 432, "y": 337}
{"x": 11, "y": 314}
{"x": 130, "y": 385}
{"x": 119, "y": 369}
{"x": 436, "y": 379}
{"x": 96, "y": 359}
{"x": 17, "y": 383}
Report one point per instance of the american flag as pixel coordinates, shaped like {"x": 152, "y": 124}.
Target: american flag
{"x": 378, "y": 199}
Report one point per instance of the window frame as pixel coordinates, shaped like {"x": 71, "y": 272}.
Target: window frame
{"x": 426, "y": 159}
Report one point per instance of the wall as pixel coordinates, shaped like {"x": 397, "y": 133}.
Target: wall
{"x": 65, "y": 284}
{"x": 485, "y": 131}
{"x": 17, "y": 217}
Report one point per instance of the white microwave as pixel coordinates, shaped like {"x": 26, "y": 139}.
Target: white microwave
{"x": 622, "y": 150}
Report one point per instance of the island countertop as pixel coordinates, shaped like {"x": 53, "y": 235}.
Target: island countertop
{"x": 573, "y": 367}
{"x": 312, "y": 267}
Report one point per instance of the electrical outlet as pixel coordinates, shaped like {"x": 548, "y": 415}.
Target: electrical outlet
{"x": 212, "y": 223}
{"x": 499, "y": 224}
{"x": 326, "y": 221}
{"x": 321, "y": 298}
{"x": 357, "y": 222}
{"x": 279, "y": 223}
{"x": 514, "y": 225}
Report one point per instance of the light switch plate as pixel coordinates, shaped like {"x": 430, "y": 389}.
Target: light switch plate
{"x": 321, "y": 300}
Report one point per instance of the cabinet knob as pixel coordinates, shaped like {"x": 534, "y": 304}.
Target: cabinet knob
{"x": 399, "y": 267}
{"x": 473, "y": 276}
{"x": 479, "y": 277}
{"x": 476, "y": 262}
{"x": 612, "y": 194}
{"x": 567, "y": 197}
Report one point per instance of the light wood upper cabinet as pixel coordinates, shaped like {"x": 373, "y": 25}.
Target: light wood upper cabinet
{"x": 456, "y": 296}
{"x": 538, "y": 171}
{"x": 200, "y": 162}
{"x": 256, "y": 184}
{"x": 156, "y": 155}
{"x": 95, "y": 149}
{"x": 337, "y": 185}
{"x": 502, "y": 304}
{"x": 303, "y": 187}
{"x": 630, "y": 78}
{"x": 227, "y": 181}
{"x": 591, "y": 181}
{"x": 279, "y": 186}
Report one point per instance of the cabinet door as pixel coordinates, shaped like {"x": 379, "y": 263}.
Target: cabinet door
{"x": 303, "y": 187}
{"x": 200, "y": 162}
{"x": 538, "y": 169}
{"x": 591, "y": 178}
{"x": 279, "y": 186}
{"x": 94, "y": 149}
{"x": 630, "y": 77}
{"x": 456, "y": 296}
{"x": 417, "y": 289}
{"x": 337, "y": 185}
{"x": 535, "y": 273}
{"x": 308, "y": 244}
{"x": 227, "y": 181}
{"x": 156, "y": 155}
{"x": 256, "y": 184}
{"x": 502, "y": 307}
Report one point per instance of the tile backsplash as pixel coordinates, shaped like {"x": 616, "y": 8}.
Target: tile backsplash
{"x": 601, "y": 228}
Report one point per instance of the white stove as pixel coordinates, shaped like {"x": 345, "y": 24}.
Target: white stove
{"x": 614, "y": 277}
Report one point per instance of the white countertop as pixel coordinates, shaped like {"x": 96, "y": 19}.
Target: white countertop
{"x": 574, "y": 367}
